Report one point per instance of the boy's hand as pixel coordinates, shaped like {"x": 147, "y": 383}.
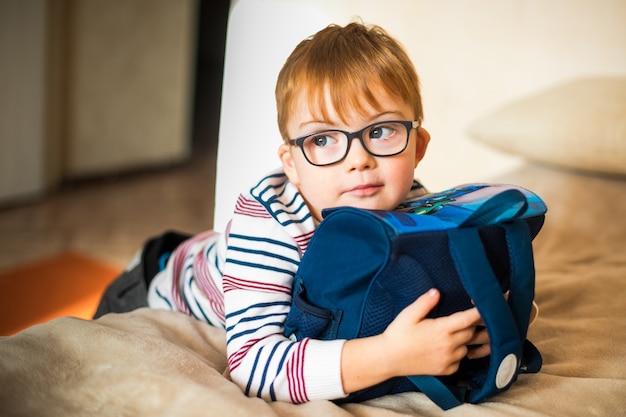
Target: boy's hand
{"x": 480, "y": 344}
{"x": 423, "y": 346}
{"x": 414, "y": 345}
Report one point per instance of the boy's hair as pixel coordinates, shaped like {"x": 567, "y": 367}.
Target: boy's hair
{"x": 352, "y": 62}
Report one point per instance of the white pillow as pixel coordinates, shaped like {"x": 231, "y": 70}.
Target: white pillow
{"x": 580, "y": 125}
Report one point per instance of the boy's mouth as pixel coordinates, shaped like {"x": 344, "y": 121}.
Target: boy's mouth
{"x": 365, "y": 190}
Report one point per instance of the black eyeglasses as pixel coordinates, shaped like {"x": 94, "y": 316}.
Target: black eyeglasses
{"x": 328, "y": 147}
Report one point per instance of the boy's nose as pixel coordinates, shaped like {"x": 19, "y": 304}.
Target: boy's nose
{"x": 358, "y": 157}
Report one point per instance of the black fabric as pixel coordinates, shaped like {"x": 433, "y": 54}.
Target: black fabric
{"x": 129, "y": 291}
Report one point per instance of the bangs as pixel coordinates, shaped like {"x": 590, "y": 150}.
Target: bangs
{"x": 346, "y": 96}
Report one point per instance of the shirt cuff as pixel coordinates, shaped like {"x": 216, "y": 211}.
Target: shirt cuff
{"x": 322, "y": 369}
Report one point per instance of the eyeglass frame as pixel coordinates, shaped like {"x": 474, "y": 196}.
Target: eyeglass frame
{"x": 408, "y": 124}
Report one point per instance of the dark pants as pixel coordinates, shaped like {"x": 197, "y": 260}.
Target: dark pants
{"x": 129, "y": 291}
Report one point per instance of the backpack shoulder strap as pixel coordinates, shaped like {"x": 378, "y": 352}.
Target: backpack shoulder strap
{"x": 507, "y": 322}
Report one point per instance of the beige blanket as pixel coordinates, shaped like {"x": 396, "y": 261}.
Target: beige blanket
{"x": 157, "y": 363}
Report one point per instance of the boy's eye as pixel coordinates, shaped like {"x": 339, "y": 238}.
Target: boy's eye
{"x": 322, "y": 140}
{"x": 381, "y": 132}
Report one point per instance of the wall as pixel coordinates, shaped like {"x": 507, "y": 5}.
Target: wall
{"x": 472, "y": 56}
{"x": 22, "y": 98}
{"x": 92, "y": 87}
{"x": 129, "y": 91}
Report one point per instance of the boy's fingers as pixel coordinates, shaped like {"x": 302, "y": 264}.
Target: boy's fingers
{"x": 481, "y": 337}
{"x": 467, "y": 318}
{"x": 419, "y": 309}
{"x": 479, "y": 352}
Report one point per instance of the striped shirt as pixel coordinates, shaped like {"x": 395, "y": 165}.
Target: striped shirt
{"x": 242, "y": 280}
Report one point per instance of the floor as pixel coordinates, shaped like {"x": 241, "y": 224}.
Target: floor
{"x": 110, "y": 218}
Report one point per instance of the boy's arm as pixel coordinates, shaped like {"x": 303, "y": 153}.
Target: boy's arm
{"x": 266, "y": 364}
{"x": 261, "y": 262}
{"x": 411, "y": 345}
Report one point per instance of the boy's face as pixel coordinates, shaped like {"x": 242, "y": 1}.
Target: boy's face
{"x": 360, "y": 180}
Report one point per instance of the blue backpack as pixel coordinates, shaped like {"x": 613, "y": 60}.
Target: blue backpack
{"x": 473, "y": 243}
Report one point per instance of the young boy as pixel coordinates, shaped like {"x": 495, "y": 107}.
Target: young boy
{"x": 349, "y": 112}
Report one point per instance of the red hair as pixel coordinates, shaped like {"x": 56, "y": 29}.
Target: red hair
{"x": 352, "y": 63}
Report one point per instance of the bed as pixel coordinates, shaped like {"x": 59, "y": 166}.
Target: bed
{"x": 157, "y": 363}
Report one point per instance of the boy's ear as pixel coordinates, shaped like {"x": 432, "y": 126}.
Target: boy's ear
{"x": 289, "y": 166}
{"x": 421, "y": 144}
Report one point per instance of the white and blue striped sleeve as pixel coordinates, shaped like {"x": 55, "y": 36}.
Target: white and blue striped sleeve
{"x": 261, "y": 262}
